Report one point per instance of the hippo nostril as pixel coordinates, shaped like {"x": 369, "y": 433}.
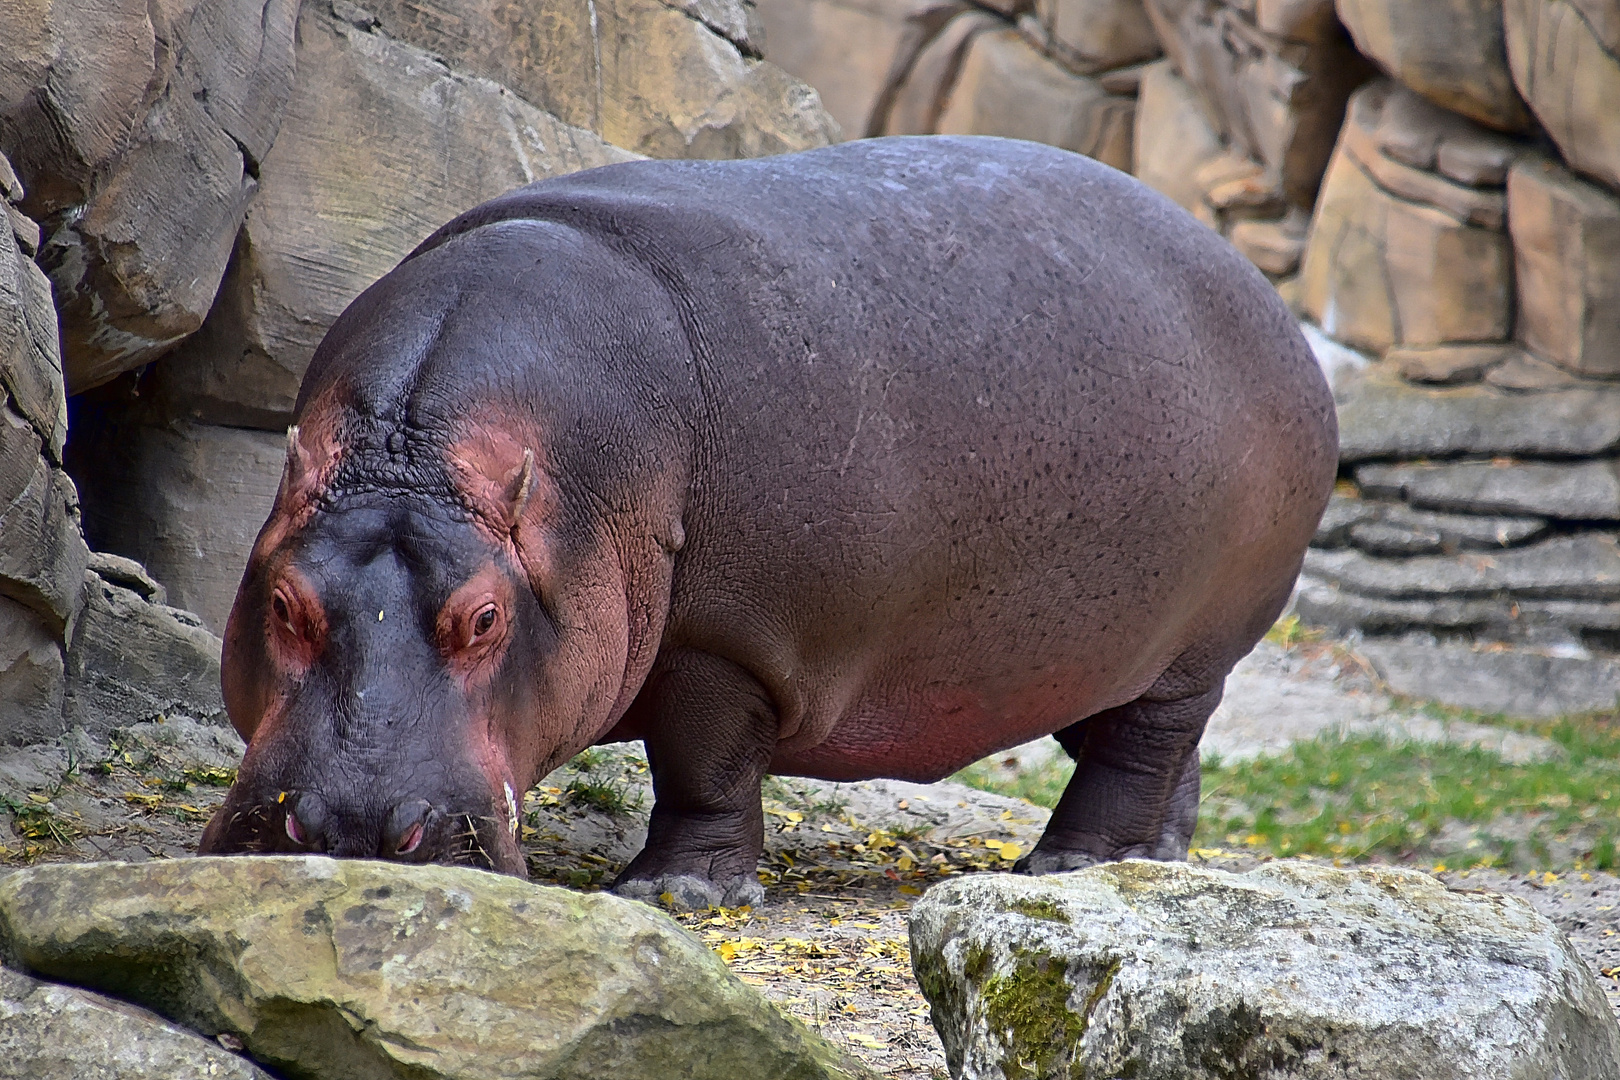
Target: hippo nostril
{"x": 407, "y": 827}
{"x": 306, "y": 821}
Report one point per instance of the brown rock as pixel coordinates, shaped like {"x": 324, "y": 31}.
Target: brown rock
{"x": 1007, "y": 88}
{"x": 1308, "y": 21}
{"x": 854, "y": 52}
{"x": 1173, "y": 135}
{"x": 1566, "y": 246}
{"x": 1565, "y": 57}
{"x": 343, "y": 200}
{"x": 1276, "y": 99}
{"x": 1096, "y": 35}
{"x": 1480, "y": 160}
{"x": 1450, "y": 51}
{"x": 1380, "y": 270}
{"x": 639, "y": 73}
{"x": 1274, "y": 246}
{"x": 136, "y": 129}
{"x": 915, "y": 104}
{"x": 1525, "y": 372}
{"x": 1466, "y": 204}
{"x": 1448, "y": 364}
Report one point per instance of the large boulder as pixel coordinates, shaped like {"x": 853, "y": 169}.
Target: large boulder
{"x": 913, "y": 104}
{"x": 1294, "y": 970}
{"x": 341, "y": 969}
{"x": 138, "y": 129}
{"x": 1399, "y": 253}
{"x": 854, "y": 52}
{"x": 359, "y": 175}
{"x": 1566, "y": 251}
{"x": 1450, "y": 51}
{"x": 53, "y": 1032}
{"x": 1565, "y": 56}
{"x": 661, "y": 79}
{"x": 1008, "y": 88}
{"x": 1096, "y": 35}
{"x": 1173, "y": 137}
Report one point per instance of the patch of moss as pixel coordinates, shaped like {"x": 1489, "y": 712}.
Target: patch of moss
{"x": 1041, "y": 909}
{"x": 1029, "y": 1009}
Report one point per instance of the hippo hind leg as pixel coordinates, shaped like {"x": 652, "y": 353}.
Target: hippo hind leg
{"x": 710, "y": 730}
{"x": 1134, "y": 793}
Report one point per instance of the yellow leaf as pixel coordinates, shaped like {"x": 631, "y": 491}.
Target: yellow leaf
{"x": 794, "y": 816}
{"x": 910, "y": 890}
{"x": 1010, "y": 851}
{"x": 727, "y": 951}
{"x": 905, "y": 863}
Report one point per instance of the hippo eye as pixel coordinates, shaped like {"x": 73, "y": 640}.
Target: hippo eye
{"x": 484, "y": 621}
{"x": 278, "y": 604}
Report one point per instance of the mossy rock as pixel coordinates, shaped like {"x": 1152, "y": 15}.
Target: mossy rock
{"x": 354, "y": 970}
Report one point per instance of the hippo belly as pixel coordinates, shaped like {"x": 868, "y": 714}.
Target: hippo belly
{"x": 865, "y": 461}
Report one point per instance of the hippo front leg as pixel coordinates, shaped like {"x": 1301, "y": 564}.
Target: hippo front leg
{"x": 710, "y": 732}
{"x": 1134, "y": 793}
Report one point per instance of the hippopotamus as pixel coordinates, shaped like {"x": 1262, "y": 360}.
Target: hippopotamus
{"x": 867, "y": 461}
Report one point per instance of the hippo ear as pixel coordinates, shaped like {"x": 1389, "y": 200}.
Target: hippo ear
{"x": 296, "y": 474}
{"x": 517, "y": 489}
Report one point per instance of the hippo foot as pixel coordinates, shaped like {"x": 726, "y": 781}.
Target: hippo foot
{"x": 1040, "y": 862}
{"x": 690, "y": 893}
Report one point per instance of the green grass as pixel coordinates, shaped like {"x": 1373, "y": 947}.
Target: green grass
{"x": 1368, "y": 799}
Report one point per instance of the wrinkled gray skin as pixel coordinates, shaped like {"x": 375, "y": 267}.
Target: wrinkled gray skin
{"x": 866, "y": 461}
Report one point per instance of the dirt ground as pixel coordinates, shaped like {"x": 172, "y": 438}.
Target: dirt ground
{"x": 843, "y": 864}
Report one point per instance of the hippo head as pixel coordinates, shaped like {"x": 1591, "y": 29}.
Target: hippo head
{"x": 393, "y": 657}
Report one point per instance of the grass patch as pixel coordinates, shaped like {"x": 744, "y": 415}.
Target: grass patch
{"x": 603, "y": 780}
{"x": 1369, "y": 799}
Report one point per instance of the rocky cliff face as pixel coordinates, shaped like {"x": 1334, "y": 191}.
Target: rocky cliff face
{"x": 1434, "y": 184}
{"x": 195, "y": 190}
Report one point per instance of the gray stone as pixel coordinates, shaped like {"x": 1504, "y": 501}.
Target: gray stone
{"x": 1295, "y": 970}
{"x": 1392, "y": 528}
{"x": 132, "y": 661}
{"x": 186, "y": 501}
{"x": 1383, "y": 416}
{"x": 343, "y": 969}
{"x": 1585, "y": 566}
{"x": 356, "y": 179}
{"x": 1518, "y": 682}
{"x": 42, "y": 554}
{"x": 54, "y": 1032}
{"x": 30, "y": 357}
{"x": 1579, "y": 491}
{"x": 33, "y": 676}
{"x": 1342, "y": 513}
{"x": 1560, "y": 624}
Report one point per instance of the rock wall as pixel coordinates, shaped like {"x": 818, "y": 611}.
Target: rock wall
{"x": 1435, "y": 186}
{"x": 200, "y": 187}
{"x": 86, "y": 639}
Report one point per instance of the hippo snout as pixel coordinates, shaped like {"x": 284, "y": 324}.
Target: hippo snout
{"x": 408, "y": 829}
